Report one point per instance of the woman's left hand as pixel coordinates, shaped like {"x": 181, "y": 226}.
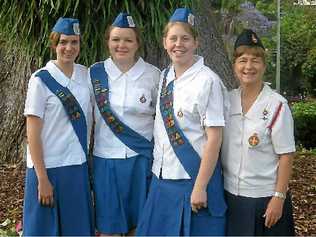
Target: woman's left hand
{"x": 273, "y": 212}
{"x": 198, "y": 199}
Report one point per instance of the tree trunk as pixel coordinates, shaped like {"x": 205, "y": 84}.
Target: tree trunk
{"x": 14, "y": 72}
{"x": 211, "y": 45}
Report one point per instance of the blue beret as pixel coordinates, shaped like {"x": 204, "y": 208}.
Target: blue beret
{"x": 183, "y": 15}
{"x": 124, "y": 20}
{"x": 248, "y": 38}
{"x": 67, "y": 26}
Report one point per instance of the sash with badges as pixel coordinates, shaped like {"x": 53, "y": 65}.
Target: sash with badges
{"x": 129, "y": 137}
{"x": 71, "y": 106}
{"x": 186, "y": 154}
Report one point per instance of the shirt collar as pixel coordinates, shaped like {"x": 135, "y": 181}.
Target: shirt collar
{"x": 59, "y": 76}
{"x": 257, "y": 106}
{"x": 189, "y": 73}
{"x": 133, "y": 73}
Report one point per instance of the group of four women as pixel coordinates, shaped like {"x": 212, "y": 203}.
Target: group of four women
{"x": 157, "y": 139}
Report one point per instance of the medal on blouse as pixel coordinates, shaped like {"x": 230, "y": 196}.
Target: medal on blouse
{"x": 253, "y": 140}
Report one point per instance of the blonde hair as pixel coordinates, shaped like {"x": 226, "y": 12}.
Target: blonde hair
{"x": 187, "y": 27}
{"x": 254, "y": 50}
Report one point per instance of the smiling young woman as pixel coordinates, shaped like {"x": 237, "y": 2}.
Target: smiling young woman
{"x": 58, "y": 118}
{"x": 125, "y": 90}
{"x": 186, "y": 196}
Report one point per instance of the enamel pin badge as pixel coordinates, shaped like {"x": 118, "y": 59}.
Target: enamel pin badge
{"x": 180, "y": 113}
{"x": 253, "y": 140}
{"x": 142, "y": 99}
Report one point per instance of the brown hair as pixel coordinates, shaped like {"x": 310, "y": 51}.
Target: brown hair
{"x": 187, "y": 27}
{"x": 254, "y": 50}
{"x": 138, "y": 39}
{"x": 53, "y": 40}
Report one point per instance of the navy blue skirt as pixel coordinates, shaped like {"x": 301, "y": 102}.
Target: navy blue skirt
{"x": 120, "y": 191}
{"x": 72, "y": 211}
{"x": 245, "y": 217}
{"x": 167, "y": 212}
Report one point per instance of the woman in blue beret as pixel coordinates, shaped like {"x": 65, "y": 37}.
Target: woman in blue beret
{"x": 58, "y": 114}
{"x": 186, "y": 196}
{"x": 125, "y": 91}
{"x": 257, "y": 149}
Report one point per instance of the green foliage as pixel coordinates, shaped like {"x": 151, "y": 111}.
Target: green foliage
{"x": 267, "y": 8}
{"x": 304, "y": 114}
{"x": 27, "y": 24}
{"x": 298, "y": 44}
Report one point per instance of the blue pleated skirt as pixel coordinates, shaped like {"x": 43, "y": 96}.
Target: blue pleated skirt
{"x": 167, "y": 212}
{"x": 245, "y": 217}
{"x": 120, "y": 191}
{"x": 72, "y": 212}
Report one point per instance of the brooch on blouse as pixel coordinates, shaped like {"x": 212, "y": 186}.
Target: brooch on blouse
{"x": 142, "y": 99}
{"x": 180, "y": 113}
{"x": 265, "y": 114}
{"x": 253, "y": 140}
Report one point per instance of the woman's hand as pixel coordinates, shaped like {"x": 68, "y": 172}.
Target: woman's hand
{"x": 273, "y": 212}
{"x": 198, "y": 199}
{"x": 45, "y": 192}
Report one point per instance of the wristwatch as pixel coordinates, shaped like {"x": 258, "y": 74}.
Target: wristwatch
{"x": 279, "y": 195}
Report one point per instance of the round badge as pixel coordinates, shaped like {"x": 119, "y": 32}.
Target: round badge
{"x": 254, "y": 140}
{"x": 180, "y": 114}
{"x": 142, "y": 99}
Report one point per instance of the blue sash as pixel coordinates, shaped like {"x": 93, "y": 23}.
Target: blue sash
{"x": 129, "y": 137}
{"x": 186, "y": 154}
{"x": 71, "y": 106}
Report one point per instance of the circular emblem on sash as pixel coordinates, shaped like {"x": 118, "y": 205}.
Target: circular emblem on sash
{"x": 253, "y": 140}
{"x": 142, "y": 99}
{"x": 180, "y": 113}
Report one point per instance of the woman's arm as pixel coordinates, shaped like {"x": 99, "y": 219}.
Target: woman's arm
{"x": 275, "y": 206}
{"x": 208, "y": 163}
{"x": 34, "y": 126}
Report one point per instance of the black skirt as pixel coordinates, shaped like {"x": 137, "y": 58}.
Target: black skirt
{"x": 245, "y": 217}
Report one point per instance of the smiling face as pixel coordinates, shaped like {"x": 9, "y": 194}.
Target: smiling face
{"x": 123, "y": 45}
{"x": 67, "y": 48}
{"x": 180, "y": 44}
{"x": 249, "y": 67}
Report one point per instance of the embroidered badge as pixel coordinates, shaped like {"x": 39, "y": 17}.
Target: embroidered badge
{"x": 253, "y": 140}
{"x": 130, "y": 21}
{"x": 101, "y": 96}
{"x": 180, "y": 113}
{"x": 168, "y": 117}
{"x": 142, "y": 99}
{"x": 70, "y": 103}
{"x": 191, "y": 19}
{"x": 76, "y": 28}
{"x": 254, "y": 39}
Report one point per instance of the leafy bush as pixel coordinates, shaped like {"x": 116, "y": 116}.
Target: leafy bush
{"x": 304, "y": 114}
